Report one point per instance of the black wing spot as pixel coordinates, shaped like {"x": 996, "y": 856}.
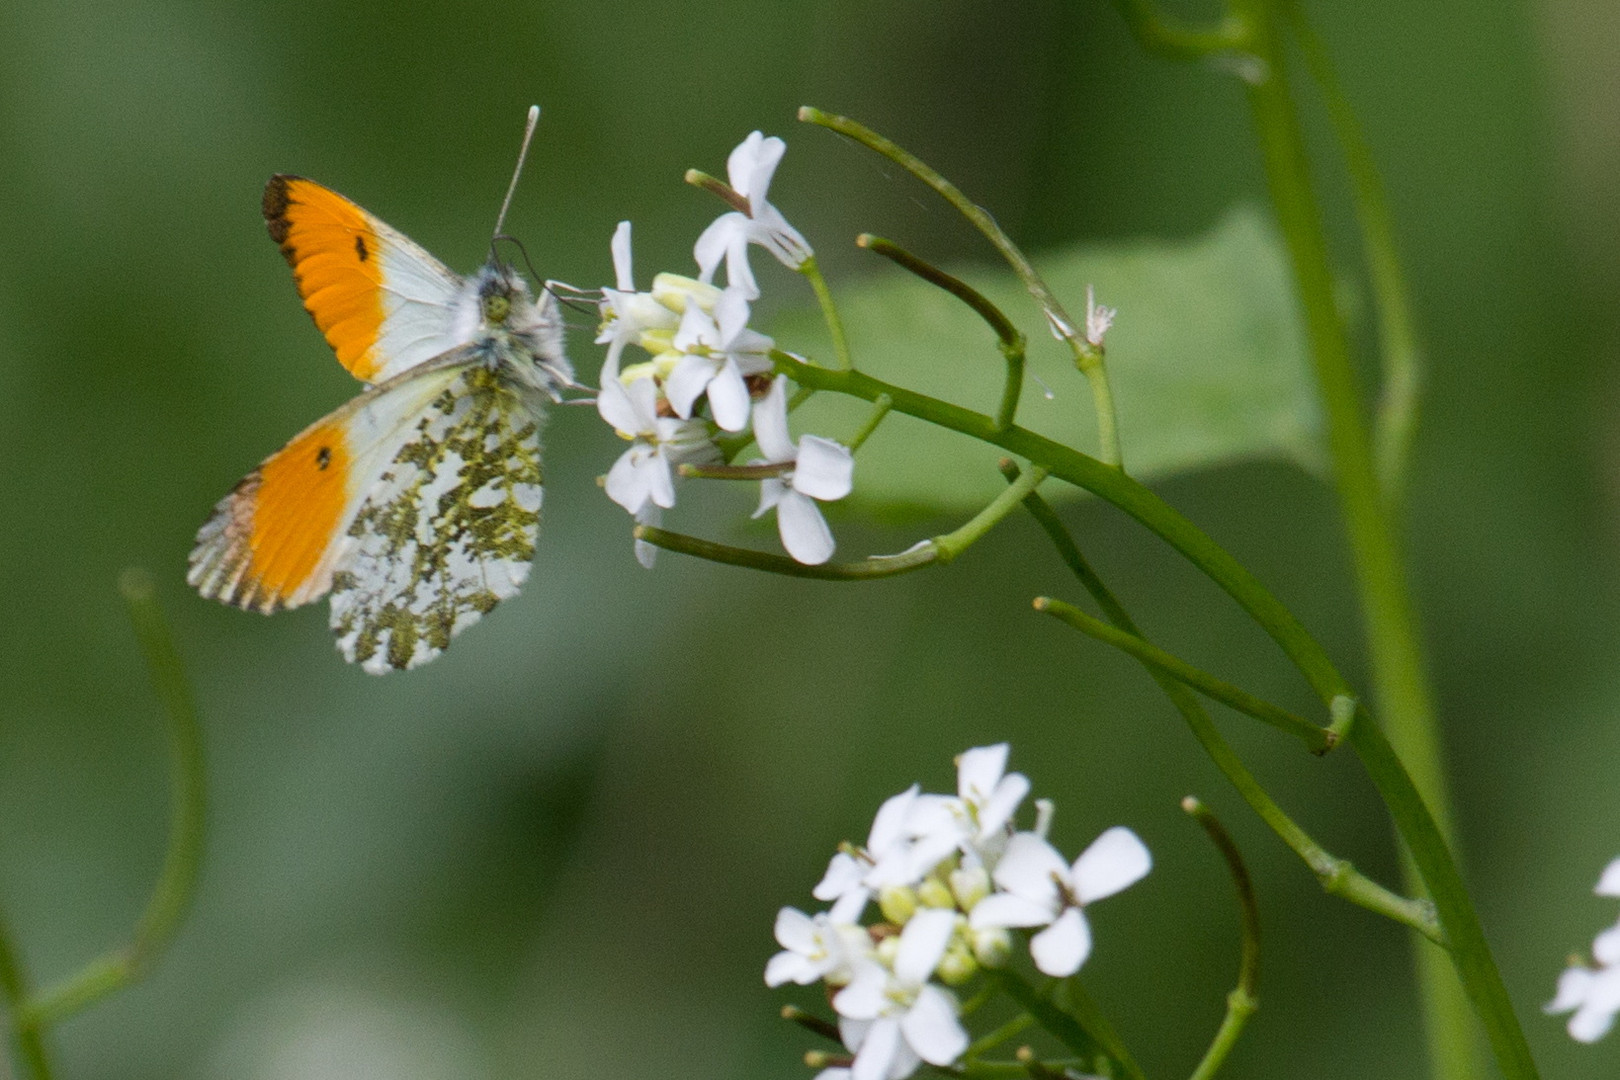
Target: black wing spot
{"x": 360, "y": 247}
{"x": 323, "y": 457}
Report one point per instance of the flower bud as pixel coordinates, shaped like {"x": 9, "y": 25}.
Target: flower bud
{"x": 957, "y": 966}
{"x": 887, "y": 950}
{"x": 992, "y": 946}
{"x": 674, "y": 291}
{"x": 970, "y": 885}
{"x": 897, "y": 903}
{"x": 934, "y": 893}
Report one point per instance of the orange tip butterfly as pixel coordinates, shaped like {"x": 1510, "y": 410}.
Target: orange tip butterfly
{"x": 416, "y": 505}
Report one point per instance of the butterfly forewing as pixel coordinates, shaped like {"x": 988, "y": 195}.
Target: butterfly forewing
{"x": 384, "y": 304}
{"x": 446, "y": 530}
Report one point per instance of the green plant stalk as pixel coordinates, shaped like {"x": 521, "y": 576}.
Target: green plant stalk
{"x": 880, "y": 409}
{"x": 1081, "y": 1027}
{"x": 1178, "y": 40}
{"x": 1315, "y": 738}
{"x": 1244, "y": 999}
{"x": 829, "y": 311}
{"x": 172, "y": 896}
{"x": 1470, "y": 952}
{"x": 1338, "y": 877}
{"x": 1399, "y": 681}
{"x": 29, "y": 1041}
{"x": 1087, "y": 356}
{"x": 1400, "y": 397}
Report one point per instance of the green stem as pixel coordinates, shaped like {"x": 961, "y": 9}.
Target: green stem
{"x": 829, "y": 311}
{"x": 1177, "y": 40}
{"x": 29, "y": 1041}
{"x": 959, "y": 540}
{"x": 1081, "y": 1028}
{"x": 1432, "y": 856}
{"x": 1399, "y": 682}
{"x": 177, "y": 882}
{"x": 1338, "y": 877}
{"x": 1088, "y": 356}
{"x": 1397, "y": 329}
{"x": 1244, "y": 999}
{"x": 1315, "y": 738}
{"x": 875, "y": 566}
{"x": 1010, "y": 341}
{"x": 993, "y": 1039}
{"x": 880, "y": 409}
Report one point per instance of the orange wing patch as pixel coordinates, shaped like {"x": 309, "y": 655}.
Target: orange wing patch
{"x": 265, "y": 546}
{"x": 334, "y": 251}
{"x": 302, "y": 493}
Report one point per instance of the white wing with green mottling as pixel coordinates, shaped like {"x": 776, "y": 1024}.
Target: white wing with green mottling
{"x": 447, "y": 530}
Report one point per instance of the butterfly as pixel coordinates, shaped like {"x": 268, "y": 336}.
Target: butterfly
{"x": 416, "y": 505}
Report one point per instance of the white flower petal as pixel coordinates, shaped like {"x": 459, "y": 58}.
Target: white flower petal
{"x": 613, "y": 400}
{"x": 1590, "y": 1023}
{"x": 730, "y": 315}
{"x": 1114, "y": 860}
{"x": 932, "y": 1029}
{"x": 752, "y": 164}
{"x": 1609, "y": 883}
{"x": 789, "y": 966}
{"x": 804, "y": 531}
{"x": 771, "y": 490}
{"x": 1061, "y": 948}
{"x": 771, "y": 426}
{"x": 696, "y": 329}
{"x": 1574, "y": 986}
{"x": 626, "y": 483}
{"x": 795, "y": 930}
{"x": 837, "y": 1072}
{"x": 979, "y": 770}
{"x": 873, "y": 1059}
{"x": 687, "y": 381}
{"x": 904, "y": 1062}
{"x": 713, "y": 243}
{"x": 922, "y": 944}
{"x": 889, "y": 825}
{"x": 660, "y": 480}
{"x": 844, "y": 872}
{"x": 849, "y": 907}
{"x": 1003, "y": 803}
{"x": 1027, "y": 869}
{"x": 864, "y": 998}
{"x": 1005, "y": 909}
{"x": 621, "y": 258}
{"x": 825, "y": 469}
{"x": 647, "y": 554}
{"x": 728, "y": 398}
{"x": 1606, "y": 946}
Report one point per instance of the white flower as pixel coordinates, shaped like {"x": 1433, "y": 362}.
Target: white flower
{"x": 895, "y": 1019}
{"x": 644, "y": 473}
{"x": 627, "y": 314}
{"x": 822, "y": 946}
{"x": 1593, "y": 994}
{"x": 716, "y": 353}
{"x": 1041, "y": 890}
{"x": 749, "y": 169}
{"x": 822, "y": 469}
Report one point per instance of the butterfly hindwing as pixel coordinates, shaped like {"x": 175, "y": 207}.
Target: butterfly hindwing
{"x": 384, "y": 304}
{"x": 276, "y": 539}
{"x": 446, "y": 530}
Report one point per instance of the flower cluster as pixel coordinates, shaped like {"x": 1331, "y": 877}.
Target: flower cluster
{"x": 1593, "y": 993}
{"x": 708, "y": 372}
{"x": 952, "y": 877}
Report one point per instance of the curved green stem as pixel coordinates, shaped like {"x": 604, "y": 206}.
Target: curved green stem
{"x": 1315, "y": 738}
{"x": 1338, "y": 877}
{"x": 29, "y": 1041}
{"x": 1088, "y": 356}
{"x": 176, "y": 884}
{"x": 1417, "y": 827}
{"x": 1244, "y": 999}
{"x": 1177, "y": 40}
{"x": 1076, "y": 1022}
{"x": 876, "y": 566}
{"x": 829, "y": 311}
{"x": 1399, "y": 399}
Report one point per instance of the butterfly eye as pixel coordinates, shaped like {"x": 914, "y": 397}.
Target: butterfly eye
{"x": 496, "y": 307}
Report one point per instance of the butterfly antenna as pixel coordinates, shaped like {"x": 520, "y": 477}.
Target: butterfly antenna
{"x": 528, "y": 133}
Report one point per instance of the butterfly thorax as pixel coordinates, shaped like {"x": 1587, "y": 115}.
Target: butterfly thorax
{"x": 517, "y": 338}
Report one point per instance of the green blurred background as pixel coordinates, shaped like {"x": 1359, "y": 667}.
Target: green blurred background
{"x": 557, "y": 851}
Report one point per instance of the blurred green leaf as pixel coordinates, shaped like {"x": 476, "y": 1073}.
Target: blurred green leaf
{"x": 1206, "y": 357}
